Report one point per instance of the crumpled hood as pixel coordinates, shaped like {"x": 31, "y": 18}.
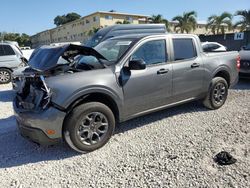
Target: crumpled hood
{"x": 46, "y": 57}
{"x": 245, "y": 54}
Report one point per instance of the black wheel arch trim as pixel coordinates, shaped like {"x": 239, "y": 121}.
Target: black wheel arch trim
{"x": 88, "y": 95}
{"x": 225, "y": 70}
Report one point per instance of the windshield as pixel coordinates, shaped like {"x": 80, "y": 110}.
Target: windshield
{"x": 94, "y": 41}
{"x": 113, "y": 50}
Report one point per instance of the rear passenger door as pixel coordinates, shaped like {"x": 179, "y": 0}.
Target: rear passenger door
{"x": 188, "y": 71}
{"x": 7, "y": 56}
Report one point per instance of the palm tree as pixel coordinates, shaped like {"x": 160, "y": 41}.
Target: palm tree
{"x": 186, "y": 23}
{"x": 92, "y": 31}
{"x": 218, "y": 24}
{"x": 244, "y": 23}
{"x": 159, "y": 19}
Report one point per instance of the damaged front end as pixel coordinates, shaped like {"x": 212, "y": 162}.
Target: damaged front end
{"x": 35, "y": 94}
{"x": 38, "y": 118}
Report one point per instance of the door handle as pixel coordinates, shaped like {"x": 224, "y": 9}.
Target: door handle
{"x": 195, "y": 65}
{"x": 162, "y": 71}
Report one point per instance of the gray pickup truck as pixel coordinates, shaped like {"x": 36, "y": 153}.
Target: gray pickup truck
{"x": 82, "y": 99}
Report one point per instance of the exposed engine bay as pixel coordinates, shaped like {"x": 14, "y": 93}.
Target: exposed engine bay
{"x": 33, "y": 93}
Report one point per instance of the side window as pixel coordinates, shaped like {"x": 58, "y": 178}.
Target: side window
{"x": 8, "y": 50}
{"x": 152, "y": 52}
{"x": 214, "y": 46}
{"x": 184, "y": 49}
{"x": 1, "y": 50}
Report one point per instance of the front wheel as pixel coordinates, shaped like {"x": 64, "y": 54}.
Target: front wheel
{"x": 217, "y": 94}
{"x": 5, "y": 76}
{"x": 89, "y": 127}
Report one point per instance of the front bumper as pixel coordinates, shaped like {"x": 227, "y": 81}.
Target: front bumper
{"x": 35, "y": 125}
{"x": 36, "y": 135}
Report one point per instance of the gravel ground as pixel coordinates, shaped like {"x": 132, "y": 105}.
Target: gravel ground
{"x": 171, "y": 148}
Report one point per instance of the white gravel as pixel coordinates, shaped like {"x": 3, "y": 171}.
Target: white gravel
{"x": 171, "y": 148}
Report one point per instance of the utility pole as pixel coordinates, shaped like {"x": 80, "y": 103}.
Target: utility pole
{"x": 2, "y": 36}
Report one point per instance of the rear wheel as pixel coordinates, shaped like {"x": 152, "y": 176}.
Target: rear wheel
{"x": 217, "y": 94}
{"x": 5, "y": 76}
{"x": 89, "y": 127}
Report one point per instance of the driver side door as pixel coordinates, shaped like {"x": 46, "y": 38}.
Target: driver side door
{"x": 150, "y": 88}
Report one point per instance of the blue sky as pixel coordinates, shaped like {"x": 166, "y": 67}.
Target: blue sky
{"x": 32, "y": 16}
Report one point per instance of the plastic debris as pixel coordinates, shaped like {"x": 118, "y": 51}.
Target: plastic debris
{"x": 224, "y": 158}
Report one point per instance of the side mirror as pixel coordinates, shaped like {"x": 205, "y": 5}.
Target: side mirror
{"x": 137, "y": 64}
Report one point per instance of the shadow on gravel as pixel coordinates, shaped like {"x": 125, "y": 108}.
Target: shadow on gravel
{"x": 7, "y": 95}
{"x": 243, "y": 84}
{"x": 16, "y": 151}
{"x": 150, "y": 118}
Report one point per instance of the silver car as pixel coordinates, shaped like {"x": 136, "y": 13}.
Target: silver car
{"x": 10, "y": 58}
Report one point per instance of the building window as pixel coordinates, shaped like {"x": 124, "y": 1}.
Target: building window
{"x": 108, "y": 17}
{"x": 94, "y": 19}
{"x": 87, "y": 21}
{"x": 129, "y": 19}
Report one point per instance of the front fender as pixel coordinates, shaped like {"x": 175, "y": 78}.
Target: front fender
{"x": 90, "y": 90}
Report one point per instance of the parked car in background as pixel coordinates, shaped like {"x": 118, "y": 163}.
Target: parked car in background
{"x": 119, "y": 30}
{"x": 245, "y": 61}
{"x": 27, "y": 53}
{"x": 213, "y": 47}
{"x": 11, "y": 57}
{"x": 64, "y": 43}
{"x": 25, "y": 48}
{"x": 128, "y": 76}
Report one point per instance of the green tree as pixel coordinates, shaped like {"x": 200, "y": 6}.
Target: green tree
{"x": 159, "y": 19}
{"x": 244, "y": 23}
{"x": 124, "y": 22}
{"x": 60, "y": 20}
{"x": 185, "y": 23}
{"x": 22, "y": 39}
{"x": 219, "y": 23}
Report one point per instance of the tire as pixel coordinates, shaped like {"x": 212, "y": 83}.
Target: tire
{"x": 217, "y": 94}
{"x": 5, "y": 76}
{"x": 89, "y": 127}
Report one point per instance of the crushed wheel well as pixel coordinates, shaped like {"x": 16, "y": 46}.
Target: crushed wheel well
{"x": 97, "y": 97}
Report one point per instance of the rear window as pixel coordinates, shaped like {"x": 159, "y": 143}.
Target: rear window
{"x": 184, "y": 49}
{"x": 6, "y": 50}
{"x": 210, "y": 47}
